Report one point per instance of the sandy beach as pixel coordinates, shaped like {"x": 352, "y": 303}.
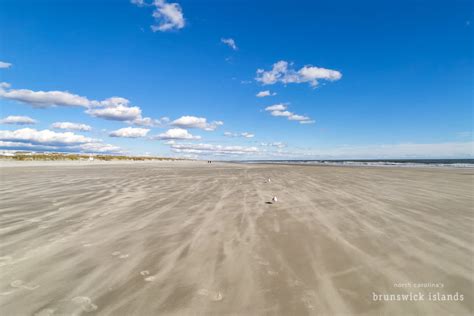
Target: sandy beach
{"x": 191, "y": 238}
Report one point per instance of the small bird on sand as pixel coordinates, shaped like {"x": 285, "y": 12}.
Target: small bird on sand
{"x": 274, "y": 199}
{"x": 269, "y": 180}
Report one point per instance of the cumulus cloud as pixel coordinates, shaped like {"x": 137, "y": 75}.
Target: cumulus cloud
{"x": 5, "y": 64}
{"x": 130, "y": 132}
{"x": 280, "y": 110}
{"x": 85, "y": 148}
{"x": 244, "y": 134}
{"x": 276, "y": 107}
{"x": 265, "y": 93}
{"x": 71, "y": 126}
{"x": 44, "y": 137}
{"x": 167, "y": 16}
{"x": 386, "y": 151}
{"x": 17, "y": 120}
{"x": 230, "y": 42}
{"x": 196, "y": 122}
{"x": 176, "y": 134}
{"x": 274, "y": 144}
{"x": 282, "y": 72}
{"x": 42, "y": 99}
{"x": 117, "y": 113}
{"x": 119, "y": 109}
{"x": 111, "y": 102}
{"x": 149, "y": 122}
{"x": 300, "y": 118}
{"x": 211, "y": 149}
{"x": 114, "y": 108}
{"x": 97, "y": 148}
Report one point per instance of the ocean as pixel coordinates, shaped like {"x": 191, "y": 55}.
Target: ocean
{"x": 456, "y": 163}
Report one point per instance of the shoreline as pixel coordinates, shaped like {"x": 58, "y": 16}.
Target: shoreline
{"x": 4, "y": 163}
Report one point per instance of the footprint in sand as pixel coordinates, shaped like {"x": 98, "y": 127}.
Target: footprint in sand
{"x": 120, "y": 255}
{"x": 213, "y": 296}
{"x": 19, "y": 284}
{"x": 30, "y": 287}
{"x": 150, "y": 278}
{"x": 85, "y": 303}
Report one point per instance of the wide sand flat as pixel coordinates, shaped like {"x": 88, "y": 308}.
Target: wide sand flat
{"x": 201, "y": 239}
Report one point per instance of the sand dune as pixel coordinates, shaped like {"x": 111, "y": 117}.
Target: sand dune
{"x": 200, "y": 239}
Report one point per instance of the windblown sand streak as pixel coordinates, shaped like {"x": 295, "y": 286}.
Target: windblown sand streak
{"x": 190, "y": 238}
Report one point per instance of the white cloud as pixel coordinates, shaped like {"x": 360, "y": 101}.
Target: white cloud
{"x": 114, "y": 108}
{"x": 117, "y": 113}
{"x": 24, "y": 146}
{"x": 71, "y": 126}
{"x": 86, "y": 147}
{"x": 312, "y": 74}
{"x": 147, "y": 121}
{"x": 5, "y": 64}
{"x": 296, "y": 117}
{"x": 281, "y": 113}
{"x": 276, "y": 107}
{"x": 265, "y": 93}
{"x": 44, "y": 137}
{"x": 43, "y": 99}
{"x": 130, "y": 132}
{"x": 32, "y": 139}
{"x": 247, "y": 135}
{"x": 196, "y": 122}
{"x": 280, "y": 110}
{"x": 169, "y": 16}
{"x": 384, "y": 151}
{"x": 119, "y": 109}
{"x": 274, "y": 144}
{"x": 244, "y": 134}
{"x": 230, "y": 42}
{"x": 176, "y": 134}
{"x": 18, "y": 120}
{"x": 211, "y": 149}
{"x": 387, "y": 151}
{"x": 281, "y": 72}
{"x": 98, "y": 148}
{"x": 111, "y": 102}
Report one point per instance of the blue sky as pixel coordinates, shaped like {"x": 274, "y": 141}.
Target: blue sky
{"x": 369, "y": 79}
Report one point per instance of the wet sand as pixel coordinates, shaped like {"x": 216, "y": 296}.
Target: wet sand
{"x": 191, "y": 238}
